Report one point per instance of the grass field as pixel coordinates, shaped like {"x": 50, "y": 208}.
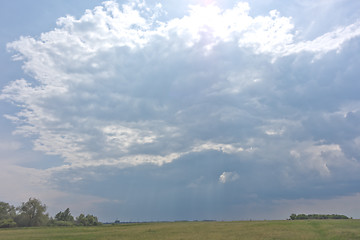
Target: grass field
{"x": 302, "y": 229}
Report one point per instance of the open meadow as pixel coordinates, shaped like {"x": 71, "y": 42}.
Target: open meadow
{"x": 301, "y": 229}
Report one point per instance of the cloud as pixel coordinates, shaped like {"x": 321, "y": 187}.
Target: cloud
{"x": 125, "y": 89}
{"x": 228, "y": 177}
{"x": 328, "y": 42}
{"x": 104, "y": 86}
{"x": 318, "y": 157}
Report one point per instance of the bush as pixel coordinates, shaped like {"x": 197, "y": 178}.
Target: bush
{"x": 62, "y": 224}
{"x": 7, "y": 223}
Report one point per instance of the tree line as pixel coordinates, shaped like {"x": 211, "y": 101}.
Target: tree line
{"x": 33, "y": 214}
{"x": 317, "y": 216}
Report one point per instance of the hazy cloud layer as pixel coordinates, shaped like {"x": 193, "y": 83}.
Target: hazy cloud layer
{"x": 217, "y": 104}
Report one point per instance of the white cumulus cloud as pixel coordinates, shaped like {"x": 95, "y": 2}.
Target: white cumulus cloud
{"x": 228, "y": 177}
{"x": 120, "y": 86}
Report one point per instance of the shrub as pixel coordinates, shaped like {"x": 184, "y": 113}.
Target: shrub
{"x": 7, "y": 223}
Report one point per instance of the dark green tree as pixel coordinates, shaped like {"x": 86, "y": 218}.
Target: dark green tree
{"x": 64, "y": 216}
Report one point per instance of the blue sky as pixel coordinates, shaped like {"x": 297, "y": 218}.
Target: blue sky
{"x": 160, "y": 110}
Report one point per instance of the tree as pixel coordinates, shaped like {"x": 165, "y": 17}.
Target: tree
{"x": 32, "y": 213}
{"x": 80, "y": 220}
{"x": 7, "y": 215}
{"x": 64, "y": 216}
{"x": 317, "y": 216}
{"x": 92, "y": 220}
{"x": 6, "y": 211}
{"x": 89, "y": 220}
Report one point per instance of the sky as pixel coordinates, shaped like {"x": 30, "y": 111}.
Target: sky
{"x": 181, "y": 110}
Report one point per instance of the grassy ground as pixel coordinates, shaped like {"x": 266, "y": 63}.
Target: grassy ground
{"x": 307, "y": 229}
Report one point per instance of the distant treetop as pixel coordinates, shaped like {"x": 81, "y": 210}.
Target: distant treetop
{"x": 317, "y": 216}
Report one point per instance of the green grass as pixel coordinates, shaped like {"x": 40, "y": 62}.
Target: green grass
{"x": 300, "y": 229}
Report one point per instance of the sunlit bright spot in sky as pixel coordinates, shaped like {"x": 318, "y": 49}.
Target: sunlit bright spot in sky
{"x": 207, "y": 2}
